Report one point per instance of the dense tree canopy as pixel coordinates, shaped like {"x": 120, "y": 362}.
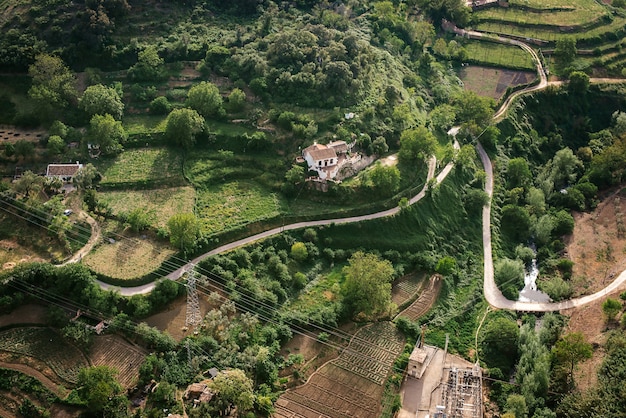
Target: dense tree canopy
{"x": 101, "y": 100}
{"x": 206, "y": 100}
{"x": 183, "y": 125}
{"x": 53, "y": 84}
{"x": 107, "y": 133}
{"x": 367, "y": 288}
{"x": 184, "y": 231}
{"x": 417, "y": 144}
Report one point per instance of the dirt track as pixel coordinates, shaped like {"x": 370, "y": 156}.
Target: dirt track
{"x": 22, "y": 368}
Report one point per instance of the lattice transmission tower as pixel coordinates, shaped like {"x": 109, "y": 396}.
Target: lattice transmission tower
{"x": 193, "y": 317}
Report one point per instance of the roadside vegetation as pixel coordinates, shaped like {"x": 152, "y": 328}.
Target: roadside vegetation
{"x": 190, "y": 120}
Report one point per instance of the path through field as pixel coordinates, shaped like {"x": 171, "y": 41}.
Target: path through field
{"x": 49, "y": 384}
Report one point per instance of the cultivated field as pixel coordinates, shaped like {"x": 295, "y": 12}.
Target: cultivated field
{"x": 350, "y": 386}
{"x": 142, "y": 166}
{"x": 113, "y": 351}
{"x": 128, "y": 258}
{"x": 542, "y": 13}
{"x": 493, "y": 82}
{"x": 425, "y": 300}
{"x": 406, "y": 287}
{"x": 162, "y": 204}
{"x": 493, "y": 54}
{"x": 47, "y": 346}
{"x": 235, "y": 204}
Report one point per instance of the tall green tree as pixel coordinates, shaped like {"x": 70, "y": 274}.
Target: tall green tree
{"x": 182, "y": 127}
{"x": 533, "y": 368}
{"x": 499, "y": 344}
{"x": 107, "y": 133}
{"x": 416, "y": 144}
{"x": 385, "y": 179}
{"x": 29, "y": 184}
{"x": 233, "y": 389}
{"x": 509, "y": 275}
{"x": 565, "y": 52}
{"x": 205, "y": 98}
{"x": 149, "y": 66}
{"x": 184, "y": 231}
{"x": 518, "y": 173}
{"x": 53, "y": 84}
{"x": 98, "y": 386}
{"x": 569, "y": 351}
{"x": 610, "y": 308}
{"x": 86, "y": 177}
{"x": 101, "y": 100}
{"x": 367, "y": 288}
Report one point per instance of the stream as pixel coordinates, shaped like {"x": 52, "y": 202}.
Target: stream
{"x": 530, "y": 293}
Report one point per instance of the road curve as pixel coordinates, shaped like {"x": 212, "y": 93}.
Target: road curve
{"x": 493, "y": 295}
{"x": 147, "y": 288}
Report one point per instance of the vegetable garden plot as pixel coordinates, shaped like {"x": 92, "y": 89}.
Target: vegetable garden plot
{"x": 46, "y": 345}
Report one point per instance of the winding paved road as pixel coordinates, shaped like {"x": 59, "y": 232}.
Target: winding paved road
{"x": 147, "y": 288}
{"x": 493, "y": 295}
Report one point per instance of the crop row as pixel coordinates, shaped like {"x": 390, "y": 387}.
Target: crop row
{"x": 47, "y": 346}
{"x": 287, "y": 408}
{"x": 343, "y": 394}
{"x": 112, "y": 352}
{"x": 372, "y": 352}
{"x": 317, "y": 406}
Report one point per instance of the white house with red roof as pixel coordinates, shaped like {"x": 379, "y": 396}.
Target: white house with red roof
{"x": 64, "y": 172}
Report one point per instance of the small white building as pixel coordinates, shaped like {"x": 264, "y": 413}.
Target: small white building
{"x": 325, "y": 159}
{"x": 417, "y": 362}
{"x": 64, "y": 172}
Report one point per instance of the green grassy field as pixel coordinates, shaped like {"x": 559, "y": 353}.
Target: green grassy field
{"x": 161, "y": 203}
{"x": 499, "y": 55}
{"x": 130, "y": 255}
{"x": 579, "y": 13}
{"x": 142, "y": 165}
{"x": 321, "y": 292}
{"x": 135, "y": 124}
{"x": 549, "y": 34}
{"x": 235, "y": 204}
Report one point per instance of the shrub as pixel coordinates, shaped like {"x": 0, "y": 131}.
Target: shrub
{"x": 160, "y": 106}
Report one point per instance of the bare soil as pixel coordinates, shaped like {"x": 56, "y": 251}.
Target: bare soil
{"x": 172, "y": 319}
{"x": 595, "y": 247}
{"x": 25, "y": 314}
{"x": 113, "y": 351}
{"x": 12, "y": 134}
{"x": 598, "y": 253}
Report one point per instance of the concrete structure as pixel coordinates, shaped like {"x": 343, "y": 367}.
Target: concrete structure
{"x": 417, "y": 362}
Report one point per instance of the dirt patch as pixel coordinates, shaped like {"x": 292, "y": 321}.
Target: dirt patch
{"x": 596, "y": 247}
{"x": 598, "y": 253}
{"x": 492, "y": 82}
{"x": 25, "y": 314}
{"x": 12, "y": 134}
{"x": 172, "y": 320}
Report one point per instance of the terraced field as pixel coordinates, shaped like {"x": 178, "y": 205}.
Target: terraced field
{"x": 424, "y": 301}
{"x": 47, "y": 346}
{"x": 350, "y": 386}
{"x": 113, "y": 351}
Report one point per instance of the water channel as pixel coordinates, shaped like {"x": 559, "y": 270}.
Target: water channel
{"x": 530, "y": 293}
